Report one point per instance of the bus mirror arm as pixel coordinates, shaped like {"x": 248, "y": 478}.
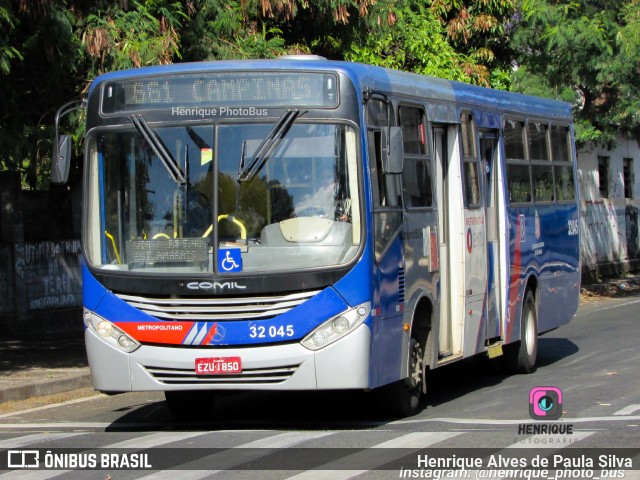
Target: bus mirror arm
{"x": 392, "y": 150}
{"x": 61, "y": 158}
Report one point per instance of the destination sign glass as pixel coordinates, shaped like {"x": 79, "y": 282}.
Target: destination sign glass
{"x": 256, "y": 89}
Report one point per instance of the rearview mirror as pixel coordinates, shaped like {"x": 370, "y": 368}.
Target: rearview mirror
{"x": 392, "y": 150}
{"x": 61, "y": 160}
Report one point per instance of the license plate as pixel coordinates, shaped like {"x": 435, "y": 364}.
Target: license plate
{"x": 218, "y": 365}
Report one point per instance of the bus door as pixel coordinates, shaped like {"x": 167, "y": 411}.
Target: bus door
{"x": 474, "y": 239}
{"x": 439, "y": 135}
{"x": 420, "y": 232}
{"x": 489, "y": 165}
{"x": 449, "y": 197}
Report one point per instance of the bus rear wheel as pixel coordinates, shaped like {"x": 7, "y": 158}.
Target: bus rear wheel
{"x": 402, "y": 398}
{"x": 190, "y": 404}
{"x": 521, "y": 356}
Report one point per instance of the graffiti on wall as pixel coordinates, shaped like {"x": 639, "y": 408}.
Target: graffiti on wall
{"x": 51, "y": 273}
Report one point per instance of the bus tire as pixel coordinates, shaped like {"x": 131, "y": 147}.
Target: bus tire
{"x": 190, "y": 404}
{"x": 521, "y": 356}
{"x": 403, "y": 398}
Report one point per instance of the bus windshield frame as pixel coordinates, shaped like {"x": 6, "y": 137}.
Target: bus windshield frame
{"x": 153, "y": 199}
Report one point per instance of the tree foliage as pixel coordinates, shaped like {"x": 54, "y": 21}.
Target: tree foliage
{"x": 575, "y": 49}
{"x": 586, "y": 52}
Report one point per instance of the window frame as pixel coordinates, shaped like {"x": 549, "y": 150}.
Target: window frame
{"x": 604, "y": 163}
{"x": 558, "y": 164}
{"x": 520, "y": 162}
{"x": 540, "y": 164}
{"x": 628, "y": 177}
{"x": 470, "y": 158}
{"x": 414, "y": 158}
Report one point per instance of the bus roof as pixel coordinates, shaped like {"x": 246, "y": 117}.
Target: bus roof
{"x": 376, "y": 79}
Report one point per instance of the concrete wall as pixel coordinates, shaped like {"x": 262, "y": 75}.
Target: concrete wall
{"x": 40, "y": 258}
{"x": 609, "y": 220}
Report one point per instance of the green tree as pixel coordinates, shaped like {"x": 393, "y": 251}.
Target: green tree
{"x": 586, "y": 52}
{"x": 479, "y": 32}
{"x": 8, "y": 52}
{"x": 415, "y": 42}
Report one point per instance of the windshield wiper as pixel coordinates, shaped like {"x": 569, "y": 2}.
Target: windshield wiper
{"x": 170, "y": 163}
{"x": 267, "y": 146}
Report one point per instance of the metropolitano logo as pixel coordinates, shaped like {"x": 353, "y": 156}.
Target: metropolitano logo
{"x": 545, "y": 403}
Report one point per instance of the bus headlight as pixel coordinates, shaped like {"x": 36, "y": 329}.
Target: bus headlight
{"x": 337, "y": 327}
{"x": 110, "y": 333}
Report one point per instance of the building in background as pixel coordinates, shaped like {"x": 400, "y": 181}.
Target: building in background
{"x": 609, "y": 206}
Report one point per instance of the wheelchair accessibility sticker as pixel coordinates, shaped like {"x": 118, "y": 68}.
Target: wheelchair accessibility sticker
{"x": 230, "y": 260}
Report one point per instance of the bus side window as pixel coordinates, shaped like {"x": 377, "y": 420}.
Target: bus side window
{"x": 387, "y": 193}
{"x": 518, "y": 173}
{"x": 389, "y": 189}
{"x": 416, "y": 174}
{"x": 470, "y": 158}
{"x": 542, "y": 172}
{"x": 562, "y": 164}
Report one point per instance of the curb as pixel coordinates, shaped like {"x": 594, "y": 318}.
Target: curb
{"x": 46, "y": 387}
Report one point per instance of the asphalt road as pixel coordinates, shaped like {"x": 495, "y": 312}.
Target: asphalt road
{"x": 594, "y": 361}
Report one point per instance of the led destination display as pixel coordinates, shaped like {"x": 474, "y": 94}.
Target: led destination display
{"x": 256, "y": 89}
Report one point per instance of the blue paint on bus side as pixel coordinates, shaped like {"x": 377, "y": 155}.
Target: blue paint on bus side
{"x": 387, "y": 317}
{"x": 549, "y": 257}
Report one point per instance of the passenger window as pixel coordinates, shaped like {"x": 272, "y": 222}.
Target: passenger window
{"x": 417, "y": 171}
{"x": 413, "y": 130}
{"x": 471, "y": 174}
{"x": 518, "y": 172}
{"x": 388, "y": 192}
{"x": 562, "y": 163}
{"x": 542, "y": 170}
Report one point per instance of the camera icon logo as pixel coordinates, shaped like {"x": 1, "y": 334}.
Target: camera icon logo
{"x": 545, "y": 403}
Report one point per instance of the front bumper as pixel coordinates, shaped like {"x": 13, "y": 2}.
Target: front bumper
{"x": 340, "y": 365}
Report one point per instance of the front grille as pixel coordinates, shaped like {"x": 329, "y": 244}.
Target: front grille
{"x": 217, "y": 308}
{"x": 249, "y": 376}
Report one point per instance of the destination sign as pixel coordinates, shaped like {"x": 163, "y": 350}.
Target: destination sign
{"x": 256, "y": 89}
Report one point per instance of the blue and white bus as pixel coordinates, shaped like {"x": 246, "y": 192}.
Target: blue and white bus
{"x": 304, "y": 224}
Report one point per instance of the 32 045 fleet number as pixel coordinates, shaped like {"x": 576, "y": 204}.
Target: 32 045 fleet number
{"x": 260, "y": 331}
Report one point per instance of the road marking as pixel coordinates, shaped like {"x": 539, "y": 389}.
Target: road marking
{"x": 612, "y": 306}
{"x": 228, "y": 459}
{"x": 363, "y": 462}
{"x": 457, "y": 421}
{"x": 487, "y": 421}
{"x": 35, "y": 438}
{"x": 45, "y": 407}
{"x": 628, "y": 410}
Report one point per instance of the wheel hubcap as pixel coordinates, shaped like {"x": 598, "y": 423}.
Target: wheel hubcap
{"x": 415, "y": 365}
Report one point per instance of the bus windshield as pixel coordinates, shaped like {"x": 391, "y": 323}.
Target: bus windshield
{"x": 172, "y": 199}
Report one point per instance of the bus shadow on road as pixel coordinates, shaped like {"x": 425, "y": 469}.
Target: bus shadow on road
{"x": 467, "y": 376}
{"x": 340, "y": 410}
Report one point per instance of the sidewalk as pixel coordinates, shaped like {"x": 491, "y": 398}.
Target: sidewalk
{"x": 41, "y": 364}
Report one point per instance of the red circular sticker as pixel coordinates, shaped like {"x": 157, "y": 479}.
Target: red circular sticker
{"x": 469, "y": 243}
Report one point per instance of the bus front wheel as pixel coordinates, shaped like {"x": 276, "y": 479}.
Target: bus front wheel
{"x": 521, "y": 356}
{"x": 402, "y": 398}
{"x": 190, "y": 404}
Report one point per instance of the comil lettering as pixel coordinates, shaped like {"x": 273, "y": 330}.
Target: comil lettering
{"x": 215, "y": 286}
